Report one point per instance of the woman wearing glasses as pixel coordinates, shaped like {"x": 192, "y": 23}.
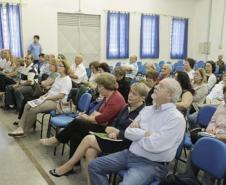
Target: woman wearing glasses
{"x": 59, "y": 90}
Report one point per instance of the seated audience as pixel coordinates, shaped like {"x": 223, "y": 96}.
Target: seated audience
{"x": 201, "y": 89}
{"x": 151, "y": 82}
{"x": 221, "y": 64}
{"x": 150, "y": 66}
{"x": 104, "y": 67}
{"x": 188, "y": 67}
{"x": 211, "y": 78}
{"x": 216, "y": 96}
{"x": 165, "y": 71}
{"x": 155, "y": 133}
{"x": 94, "y": 70}
{"x": 59, "y": 90}
{"x": 131, "y": 67}
{"x": 16, "y": 93}
{"x": 112, "y": 104}
{"x": 5, "y": 62}
{"x": 93, "y": 145}
{"x": 186, "y": 98}
{"x": 123, "y": 82}
{"x": 43, "y": 67}
{"x": 78, "y": 71}
{"x": 42, "y": 88}
{"x": 12, "y": 76}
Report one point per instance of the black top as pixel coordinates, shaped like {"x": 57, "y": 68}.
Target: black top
{"x": 149, "y": 100}
{"x": 124, "y": 87}
{"x": 125, "y": 118}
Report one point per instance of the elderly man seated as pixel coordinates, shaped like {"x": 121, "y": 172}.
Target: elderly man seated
{"x": 155, "y": 133}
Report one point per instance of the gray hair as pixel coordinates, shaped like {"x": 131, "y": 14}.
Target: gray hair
{"x": 169, "y": 66}
{"x": 141, "y": 88}
{"x": 174, "y": 88}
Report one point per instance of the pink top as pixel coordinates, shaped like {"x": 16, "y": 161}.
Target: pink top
{"x": 218, "y": 122}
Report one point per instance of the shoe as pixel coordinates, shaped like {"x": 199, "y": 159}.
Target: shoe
{"x": 54, "y": 173}
{"x": 16, "y": 134}
{"x": 49, "y": 141}
{"x": 15, "y": 123}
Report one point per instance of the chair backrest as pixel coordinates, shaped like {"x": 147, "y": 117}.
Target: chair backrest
{"x": 88, "y": 72}
{"x": 94, "y": 106}
{"x": 84, "y": 102}
{"x": 205, "y": 114}
{"x": 209, "y": 155}
{"x": 80, "y": 92}
{"x": 180, "y": 148}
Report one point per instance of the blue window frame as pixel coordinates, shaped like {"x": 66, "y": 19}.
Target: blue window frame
{"x": 179, "y": 38}
{"x": 10, "y": 29}
{"x": 117, "y": 35}
{"x": 149, "y": 36}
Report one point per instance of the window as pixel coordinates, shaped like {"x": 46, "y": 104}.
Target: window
{"x": 117, "y": 35}
{"x": 149, "y": 36}
{"x": 10, "y": 32}
{"x": 179, "y": 38}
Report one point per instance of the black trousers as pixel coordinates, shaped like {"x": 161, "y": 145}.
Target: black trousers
{"x": 76, "y": 131}
{"x": 4, "y": 81}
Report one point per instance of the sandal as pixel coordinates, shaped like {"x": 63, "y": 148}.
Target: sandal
{"x": 54, "y": 173}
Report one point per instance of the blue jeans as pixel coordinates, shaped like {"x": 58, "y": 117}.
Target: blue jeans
{"x": 139, "y": 169}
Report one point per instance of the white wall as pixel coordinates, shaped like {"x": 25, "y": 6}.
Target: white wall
{"x": 40, "y": 17}
{"x": 201, "y": 29}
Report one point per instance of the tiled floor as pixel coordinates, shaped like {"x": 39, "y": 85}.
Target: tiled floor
{"x": 25, "y": 161}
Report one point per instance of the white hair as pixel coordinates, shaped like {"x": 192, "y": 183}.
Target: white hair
{"x": 174, "y": 88}
{"x": 169, "y": 66}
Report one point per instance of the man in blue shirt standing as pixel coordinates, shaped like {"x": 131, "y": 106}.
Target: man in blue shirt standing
{"x": 35, "y": 49}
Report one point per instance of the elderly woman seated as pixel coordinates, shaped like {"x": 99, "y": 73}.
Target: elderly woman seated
{"x": 112, "y": 104}
{"x": 201, "y": 89}
{"x": 93, "y": 145}
{"x": 59, "y": 90}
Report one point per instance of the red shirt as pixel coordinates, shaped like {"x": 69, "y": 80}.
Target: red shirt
{"x": 110, "y": 108}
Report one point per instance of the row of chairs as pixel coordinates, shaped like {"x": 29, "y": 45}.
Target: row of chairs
{"x": 59, "y": 121}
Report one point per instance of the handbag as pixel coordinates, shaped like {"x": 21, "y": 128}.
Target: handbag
{"x": 38, "y": 90}
{"x": 64, "y": 107}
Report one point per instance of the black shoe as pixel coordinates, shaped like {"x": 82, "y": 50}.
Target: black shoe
{"x": 53, "y": 172}
{"x": 15, "y": 123}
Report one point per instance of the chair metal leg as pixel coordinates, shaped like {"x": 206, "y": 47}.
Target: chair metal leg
{"x": 43, "y": 116}
{"x": 55, "y": 148}
{"x": 114, "y": 179}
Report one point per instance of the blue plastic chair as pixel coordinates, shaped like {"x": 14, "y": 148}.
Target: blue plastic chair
{"x": 209, "y": 155}
{"x": 61, "y": 121}
{"x": 205, "y": 114}
{"x": 88, "y": 72}
{"x": 118, "y": 64}
{"x": 161, "y": 63}
{"x": 201, "y": 64}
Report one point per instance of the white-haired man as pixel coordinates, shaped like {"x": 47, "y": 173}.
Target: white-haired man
{"x": 78, "y": 74}
{"x": 156, "y": 134}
